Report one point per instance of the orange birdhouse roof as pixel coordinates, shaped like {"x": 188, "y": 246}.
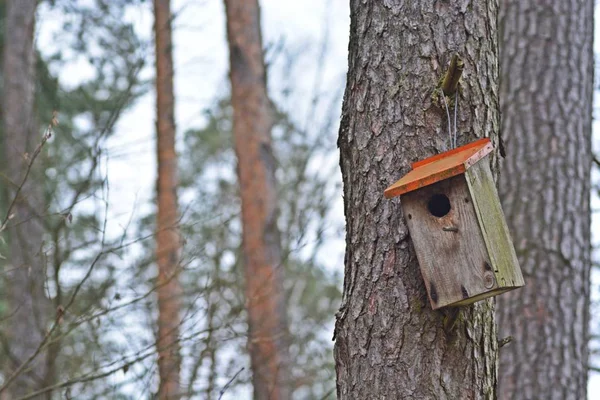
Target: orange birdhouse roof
{"x": 441, "y": 166}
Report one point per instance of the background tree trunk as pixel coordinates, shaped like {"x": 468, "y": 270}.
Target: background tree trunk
{"x": 389, "y": 343}
{"x": 167, "y": 237}
{"x": 252, "y": 122}
{"x": 25, "y": 272}
{"x": 546, "y": 92}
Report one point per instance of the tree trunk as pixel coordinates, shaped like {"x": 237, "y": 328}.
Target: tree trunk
{"x": 25, "y": 272}
{"x": 167, "y": 236}
{"x": 252, "y": 122}
{"x": 389, "y": 343}
{"x": 546, "y": 92}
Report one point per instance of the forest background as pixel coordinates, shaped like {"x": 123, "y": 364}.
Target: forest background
{"x": 306, "y": 52}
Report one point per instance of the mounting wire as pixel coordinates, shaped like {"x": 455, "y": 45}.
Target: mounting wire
{"x": 455, "y": 125}
{"x": 449, "y": 86}
{"x": 449, "y": 123}
{"x": 452, "y": 133}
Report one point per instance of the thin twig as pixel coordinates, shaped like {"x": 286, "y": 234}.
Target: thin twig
{"x": 455, "y": 69}
{"x": 39, "y": 349}
{"x": 84, "y": 378}
{"x": 222, "y": 392}
{"x": 47, "y": 135}
{"x": 593, "y": 368}
{"x": 505, "y": 341}
{"x": 118, "y": 366}
{"x": 328, "y": 394}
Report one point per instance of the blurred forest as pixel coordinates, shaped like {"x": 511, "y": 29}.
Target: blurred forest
{"x": 95, "y": 317}
{"x": 94, "y": 304}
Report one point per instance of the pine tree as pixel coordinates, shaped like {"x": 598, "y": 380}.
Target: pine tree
{"x": 547, "y": 80}
{"x": 252, "y": 123}
{"x": 389, "y": 343}
{"x": 167, "y": 236}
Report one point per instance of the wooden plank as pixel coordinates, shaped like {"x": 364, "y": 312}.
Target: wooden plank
{"x": 483, "y": 296}
{"x": 467, "y": 151}
{"x": 440, "y": 167}
{"x": 454, "y": 264}
{"x": 493, "y": 225}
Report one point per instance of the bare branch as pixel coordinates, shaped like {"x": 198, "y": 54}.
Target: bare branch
{"x": 47, "y": 135}
{"x": 222, "y": 391}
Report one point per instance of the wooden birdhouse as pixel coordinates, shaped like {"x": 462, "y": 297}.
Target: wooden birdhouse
{"x": 457, "y": 226}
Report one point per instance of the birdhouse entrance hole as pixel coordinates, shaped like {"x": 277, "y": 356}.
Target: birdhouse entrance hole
{"x": 439, "y": 205}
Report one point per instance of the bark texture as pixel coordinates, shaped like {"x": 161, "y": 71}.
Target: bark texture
{"x": 252, "y": 122}
{"x": 167, "y": 236}
{"x": 25, "y": 271}
{"x": 389, "y": 343}
{"x": 546, "y": 93}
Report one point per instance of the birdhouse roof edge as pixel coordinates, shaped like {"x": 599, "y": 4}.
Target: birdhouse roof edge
{"x": 440, "y": 167}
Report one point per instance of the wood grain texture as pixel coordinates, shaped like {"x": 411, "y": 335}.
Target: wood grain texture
{"x": 440, "y": 166}
{"x": 500, "y": 249}
{"x": 453, "y": 263}
{"x": 547, "y": 69}
{"x": 389, "y": 343}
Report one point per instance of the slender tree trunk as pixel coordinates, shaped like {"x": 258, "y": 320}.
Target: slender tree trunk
{"x": 252, "y": 122}
{"x": 25, "y": 272}
{"x": 389, "y": 343}
{"x": 167, "y": 237}
{"x": 546, "y": 93}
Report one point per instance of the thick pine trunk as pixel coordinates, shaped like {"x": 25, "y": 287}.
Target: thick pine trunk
{"x": 389, "y": 343}
{"x": 252, "y": 122}
{"x": 167, "y": 236}
{"x": 546, "y": 93}
{"x": 25, "y": 271}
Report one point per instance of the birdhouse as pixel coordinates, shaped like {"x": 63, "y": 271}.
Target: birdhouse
{"x": 457, "y": 226}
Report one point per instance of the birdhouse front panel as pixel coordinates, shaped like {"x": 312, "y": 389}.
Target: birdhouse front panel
{"x": 450, "y": 247}
{"x": 457, "y": 227}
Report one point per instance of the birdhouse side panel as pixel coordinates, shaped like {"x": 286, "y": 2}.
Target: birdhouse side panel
{"x": 449, "y": 245}
{"x": 493, "y": 225}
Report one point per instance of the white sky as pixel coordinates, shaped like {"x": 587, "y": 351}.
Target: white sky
{"x": 200, "y": 54}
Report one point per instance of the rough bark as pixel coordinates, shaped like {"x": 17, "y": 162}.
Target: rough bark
{"x": 389, "y": 343}
{"x": 167, "y": 236}
{"x": 25, "y": 271}
{"x": 252, "y": 122}
{"x": 546, "y": 93}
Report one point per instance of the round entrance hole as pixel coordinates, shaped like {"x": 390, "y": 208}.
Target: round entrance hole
{"x": 439, "y": 205}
